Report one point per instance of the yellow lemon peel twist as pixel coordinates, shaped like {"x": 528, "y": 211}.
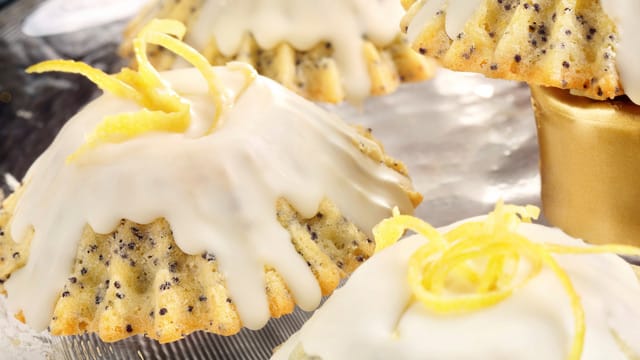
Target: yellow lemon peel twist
{"x": 476, "y": 265}
{"x": 163, "y": 109}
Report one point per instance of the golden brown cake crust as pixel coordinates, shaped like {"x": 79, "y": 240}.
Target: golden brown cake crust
{"x": 563, "y": 44}
{"x": 135, "y": 280}
{"x": 313, "y": 74}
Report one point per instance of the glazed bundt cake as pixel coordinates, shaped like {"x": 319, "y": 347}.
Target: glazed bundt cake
{"x": 198, "y": 199}
{"x": 324, "y": 50}
{"x": 483, "y": 288}
{"x": 584, "y": 46}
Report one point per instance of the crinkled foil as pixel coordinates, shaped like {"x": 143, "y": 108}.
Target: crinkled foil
{"x": 467, "y": 141}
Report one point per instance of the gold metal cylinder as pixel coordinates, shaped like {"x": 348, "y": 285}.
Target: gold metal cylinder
{"x": 589, "y": 165}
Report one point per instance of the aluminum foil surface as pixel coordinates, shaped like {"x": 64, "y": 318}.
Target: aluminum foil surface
{"x": 467, "y": 141}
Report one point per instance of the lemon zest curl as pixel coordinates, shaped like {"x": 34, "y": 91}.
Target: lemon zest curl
{"x": 480, "y": 263}
{"x": 164, "y": 110}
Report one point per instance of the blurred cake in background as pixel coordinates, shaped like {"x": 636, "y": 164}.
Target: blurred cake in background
{"x": 324, "y": 50}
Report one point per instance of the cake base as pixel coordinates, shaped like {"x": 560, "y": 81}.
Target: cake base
{"x": 589, "y": 165}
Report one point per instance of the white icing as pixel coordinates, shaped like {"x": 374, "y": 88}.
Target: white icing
{"x": 624, "y": 13}
{"x": 457, "y": 13}
{"x": 304, "y": 24}
{"x": 369, "y": 317}
{"x": 218, "y": 192}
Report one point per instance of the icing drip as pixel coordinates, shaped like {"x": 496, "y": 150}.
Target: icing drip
{"x": 217, "y": 191}
{"x": 624, "y": 13}
{"x": 382, "y": 320}
{"x": 457, "y": 12}
{"x": 303, "y": 24}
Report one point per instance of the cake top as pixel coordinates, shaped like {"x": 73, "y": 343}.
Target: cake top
{"x": 208, "y": 149}
{"x": 485, "y": 287}
{"x": 344, "y": 24}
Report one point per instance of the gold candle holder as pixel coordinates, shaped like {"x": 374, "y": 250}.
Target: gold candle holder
{"x": 589, "y": 165}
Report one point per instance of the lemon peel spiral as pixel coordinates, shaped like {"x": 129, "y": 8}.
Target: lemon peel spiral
{"x": 164, "y": 110}
{"x": 479, "y": 263}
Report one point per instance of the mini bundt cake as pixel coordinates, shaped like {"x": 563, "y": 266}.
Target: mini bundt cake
{"x": 198, "y": 199}
{"x": 482, "y": 288}
{"x": 327, "y": 50}
{"x": 585, "y": 46}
